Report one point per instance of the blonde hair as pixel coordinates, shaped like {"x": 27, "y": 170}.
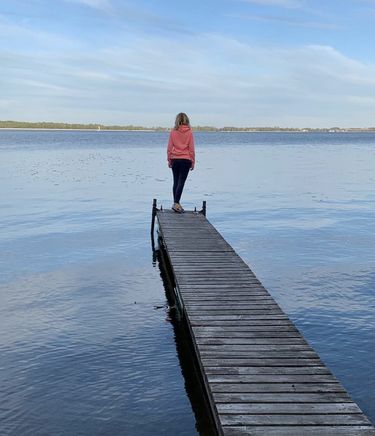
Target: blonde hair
{"x": 181, "y": 119}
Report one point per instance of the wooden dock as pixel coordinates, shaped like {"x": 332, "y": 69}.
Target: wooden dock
{"x": 261, "y": 376}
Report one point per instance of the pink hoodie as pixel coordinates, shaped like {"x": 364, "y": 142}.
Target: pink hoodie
{"x": 181, "y": 144}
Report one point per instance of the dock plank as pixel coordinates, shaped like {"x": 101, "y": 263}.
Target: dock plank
{"x": 337, "y": 430}
{"x": 261, "y": 376}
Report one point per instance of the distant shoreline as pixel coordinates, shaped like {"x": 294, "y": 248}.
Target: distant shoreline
{"x": 271, "y": 130}
{"x": 22, "y": 125}
{"x": 78, "y": 130}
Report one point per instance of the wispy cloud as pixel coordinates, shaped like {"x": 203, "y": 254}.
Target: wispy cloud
{"x": 132, "y": 14}
{"x": 290, "y": 4}
{"x": 19, "y": 35}
{"x": 103, "y": 5}
{"x": 288, "y": 21}
{"x": 129, "y": 15}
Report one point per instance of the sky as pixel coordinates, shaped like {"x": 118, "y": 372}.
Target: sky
{"x": 287, "y": 63}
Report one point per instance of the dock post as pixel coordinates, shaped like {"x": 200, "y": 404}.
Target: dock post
{"x": 154, "y": 210}
{"x": 204, "y": 209}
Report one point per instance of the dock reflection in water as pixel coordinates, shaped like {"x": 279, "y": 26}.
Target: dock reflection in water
{"x": 186, "y": 354}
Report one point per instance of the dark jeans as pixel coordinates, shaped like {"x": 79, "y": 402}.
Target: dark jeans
{"x": 180, "y": 168}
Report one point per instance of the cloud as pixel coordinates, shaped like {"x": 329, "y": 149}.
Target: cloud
{"x": 219, "y": 80}
{"x": 103, "y": 5}
{"x": 288, "y": 21}
{"x": 19, "y": 36}
{"x": 290, "y": 4}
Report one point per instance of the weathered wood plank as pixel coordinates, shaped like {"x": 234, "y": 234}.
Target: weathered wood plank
{"x": 273, "y": 323}
{"x": 212, "y": 279}
{"x": 195, "y": 264}
{"x": 257, "y": 299}
{"x": 276, "y": 387}
{"x": 256, "y": 329}
{"x": 249, "y": 337}
{"x": 261, "y": 313}
{"x": 209, "y": 251}
{"x": 232, "y": 307}
{"x": 231, "y": 286}
{"x": 261, "y": 329}
{"x": 250, "y": 312}
{"x": 196, "y": 277}
{"x": 265, "y": 370}
{"x": 236, "y": 320}
{"x": 217, "y": 270}
{"x": 298, "y": 419}
{"x": 287, "y": 408}
{"x": 217, "y": 282}
{"x": 253, "y": 289}
{"x": 260, "y": 361}
{"x": 294, "y": 340}
{"x": 223, "y": 287}
{"x": 222, "y": 303}
{"x": 281, "y": 397}
{"x": 278, "y": 430}
{"x": 220, "y": 293}
{"x": 272, "y": 378}
{"x": 228, "y": 258}
{"x": 243, "y": 348}
{"x": 245, "y": 323}
{"x": 242, "y": 303}
{"x": 212, "y": 262}
{"x": 194, "y": 297}
{"x": 258, "y": 354}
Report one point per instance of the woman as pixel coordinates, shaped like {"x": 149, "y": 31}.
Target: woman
{"x": 181, "y": 156}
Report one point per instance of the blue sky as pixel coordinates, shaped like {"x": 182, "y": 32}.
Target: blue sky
{"x": 225, "y": 62}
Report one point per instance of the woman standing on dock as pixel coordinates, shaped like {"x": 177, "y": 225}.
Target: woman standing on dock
{"x": 181, "y": 156}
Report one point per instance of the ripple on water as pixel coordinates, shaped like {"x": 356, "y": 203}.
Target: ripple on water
{"x": 88, "y": 359}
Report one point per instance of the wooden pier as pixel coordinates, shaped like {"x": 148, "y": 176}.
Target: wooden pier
{"x": 261, "y": 376}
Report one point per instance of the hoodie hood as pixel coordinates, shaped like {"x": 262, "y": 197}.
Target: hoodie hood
{"x": 183, "y": 128}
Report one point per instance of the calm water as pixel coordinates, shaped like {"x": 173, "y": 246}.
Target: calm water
{"x": 87, "y": 345}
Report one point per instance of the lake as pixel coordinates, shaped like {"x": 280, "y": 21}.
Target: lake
{"x": 89, "y": 344}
